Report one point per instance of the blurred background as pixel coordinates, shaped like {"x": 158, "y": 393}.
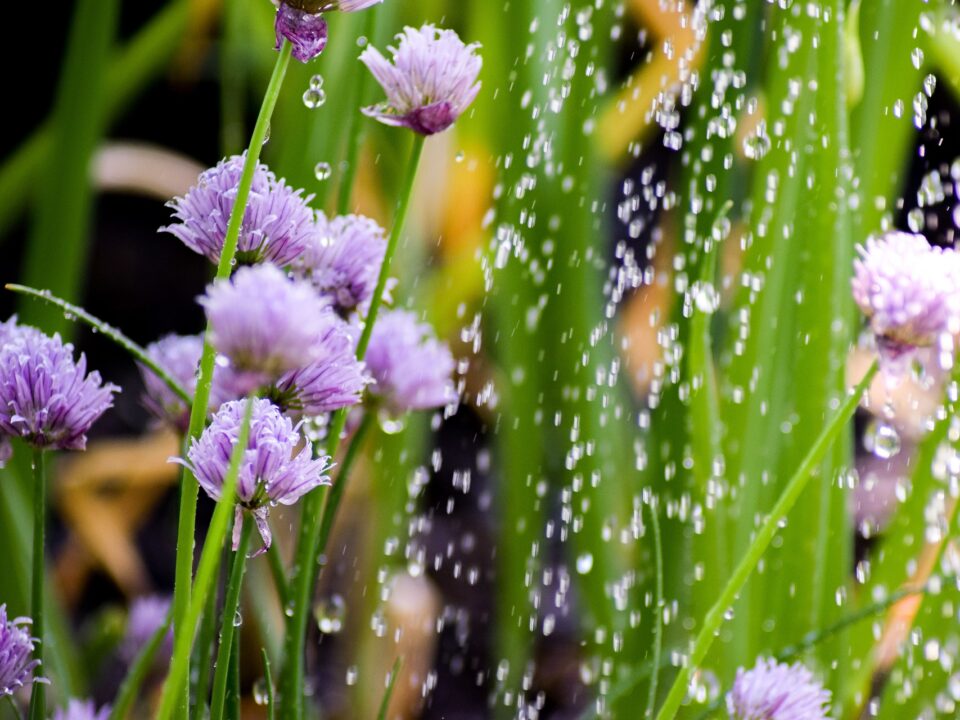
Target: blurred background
{"x": 503, "y": 549}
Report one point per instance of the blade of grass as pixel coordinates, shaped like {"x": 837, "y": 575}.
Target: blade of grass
{"x": 137, "y": 674}
{"x": 388, "y": 693}
{"x": 765, "y": 534}
{"x": 56, "y": 254}
{"x": 131, "y": 68}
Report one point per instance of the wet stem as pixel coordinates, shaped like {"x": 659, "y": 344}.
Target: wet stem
{"x": 228, "y": 621}
{"x": 38, "y": 698}
{"x": 206, "y": 575}
{"x": 715, "y": 616}
{"x": 320, "y": 510}
{"x": 188, "y": 487}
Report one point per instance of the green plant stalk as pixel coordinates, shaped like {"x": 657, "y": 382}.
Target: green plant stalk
{"x": 204, "y": 652}
{"x": 765, "y": 534}
{"x": 233, "y": 681}
{"x": 233, "y": 76}
{"x": 388, "y": 693}
{"x": 231, "y": 603}
{"x": 75, "y": 312}
{"x": 142, "y": 664}
{"x": 355, "y": 129}
{"x": 268, "y": 678}
{"x": 198, "y": 413}
{"x": 57, "y": 250}
{"x": 279, "y": 574}
{"x": 38, "y": 696}
{"x": 171, "y": 697}
{"x": 306, "y": 566}
{"x": 13, "y": 707}
{"x": 658, "y": 610}
{"x": 131, "y": 68}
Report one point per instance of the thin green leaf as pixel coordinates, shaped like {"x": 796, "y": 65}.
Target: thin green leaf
{"x": 391, "y": 683}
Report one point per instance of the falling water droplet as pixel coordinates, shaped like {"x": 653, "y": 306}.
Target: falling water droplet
{"x": 322, "y": 171}
{"x": 314, "y": 97}
{"x": 329, "y": 614}
{"x": 584, "y": 563}
{"x": 916, "y": 57}
{"x": 882, "y": 440}
{"x": 316, "y": 82}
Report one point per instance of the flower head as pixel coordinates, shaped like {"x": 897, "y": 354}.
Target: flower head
{"x": 908, "y": 289}
{"x": 277, "y": 222}
{"x": 16, "y": 654}
{"x": 334, "y": 380}
{"x": 46, "y": 397}
{"x": 272, "y": 471}
{"x": 180, "y": 355}
{"x": 411, "y": 369}
{"x": 147, "y": 615}
{"x": 777, "y": 691}
{"x": 265, "y": 323}
{"x": 432, "y": 81}
{"x": 82, "y": 710}
{"x": 343, "y": 259}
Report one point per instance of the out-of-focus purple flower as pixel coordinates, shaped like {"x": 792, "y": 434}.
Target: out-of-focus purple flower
{"x": 411, "y": 369}
{"x": 909, "y": 290}
{"x": 777, "y": 691}
{"x": 432, "y": 81}
{"x": 277, "y": 222}
{"x": 271, "y": 472}
{"x": 266, "y": 324}
{"x": 180, "y": 355}
{"x": 82, "y": 710}
{"x": 343, "y": 259}
{"x": 147, "y": 615}
{"x": 45, "y": 397}
{"x": 334, "y": 380}
{"x": 16, "y": 654}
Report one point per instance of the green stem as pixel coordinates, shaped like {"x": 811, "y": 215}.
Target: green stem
{"x": 13, "y": 706}
{"x": 355, "y": 127}
{"x": 268, "y": 679}
{"x": 715, "y": 617}
{"x": 198, "y": 413}
{"x": 73, "y": 312}
{"x": 202, "y": 658}
{"x": 227, "y": 623}
{"x": 279, "y": 573}
{"x": 306, "y": 567}
{"x": 38, "y": 699}
{"x": 142, "y": 665}
{"x": 406, "y": 193}
{"x": 658, "y": 610}
{"x": 388, "y": 693}
{"x": 170, "y": 700}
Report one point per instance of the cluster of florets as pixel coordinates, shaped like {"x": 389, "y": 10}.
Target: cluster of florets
{"x": 47, "y": 397}
{"x": 910, "y": 292}
{"x": 777, "y": 691}
{"x": 285, "y": 327}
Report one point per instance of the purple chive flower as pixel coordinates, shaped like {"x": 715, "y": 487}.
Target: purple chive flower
{"x": 777, "y": 691}
{"x": 302, "y": 23}
{"x": 334, "y": 380}
{"x": 82, "y": 710}
{"x": 16, "y": 654}
{"x": 180, "y": 355}
{"x": 909, "y": 290}
{"x": 272, "y": 470}
{"x": 147, "y": 615}
{"x": 46, "y": 397}
{"x": 343, "y": 259}
{"x": 411, "y": 369}
{"x": 432, "y": 80}
{"x": 265, "y": 323}
{"x": 277, "y": 222}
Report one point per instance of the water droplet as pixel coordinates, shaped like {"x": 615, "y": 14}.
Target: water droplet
{"x": 322, "y": 171}
{"x": 329, "y": 614}
{"x": 261, "y": 693}
{"x": 237, "y": 619}
{"x": 915, "y": 220}
{"x": 314, "y": 97}
{"x": 459, "y": 156}
{"x": 316, "y": 82}
{"x": 916, "y": 57}
{"x": 352, "y": 674}
{"x": 390, "y": 424}
{"x": 882, "y": 440}
{"x": 757, "y": 144}
{"x": 584, "y": 563}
